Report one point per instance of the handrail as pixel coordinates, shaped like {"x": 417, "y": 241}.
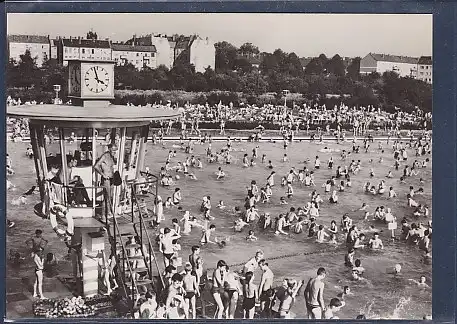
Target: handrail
{"x": 142, "y": 226}
{"x": 125, "y": 260}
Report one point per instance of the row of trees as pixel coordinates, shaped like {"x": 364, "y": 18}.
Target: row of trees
{"x": 234, "y": 73}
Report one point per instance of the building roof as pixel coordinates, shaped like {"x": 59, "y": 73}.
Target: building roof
{"x": 394, "y": 58}
{"x": 425, "y": 60}
{"x": 133, "y": 48}
{"x": 28, "y": 39}
{"x": 90, "y": 43}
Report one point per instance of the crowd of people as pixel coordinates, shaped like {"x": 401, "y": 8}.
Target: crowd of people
{"x": 227, "y": 286}
{"x": 298, "y": 118}
{"x": 189, "y": 283}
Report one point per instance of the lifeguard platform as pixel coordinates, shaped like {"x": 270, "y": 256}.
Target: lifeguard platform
{"x": 67, "y": 178}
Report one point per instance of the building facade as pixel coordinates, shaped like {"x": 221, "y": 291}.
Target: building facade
{"x": 53, "y": 48}
{"x": 425, "y": 69}
{"x": 83, "y": 49}
{"x": 164, "y": 52}
{"x": 140, "y": 56}
{"x": 197, "y": 51}
{"x": 202, "y": 54}
{"x": 39, "y": 47}
{"x": 404, "y": 66}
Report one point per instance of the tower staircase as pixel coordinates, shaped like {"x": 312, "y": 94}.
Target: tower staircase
{"x": 137, "y": 270}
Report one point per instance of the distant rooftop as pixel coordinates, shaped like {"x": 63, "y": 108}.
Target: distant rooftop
{"x": 28, "y": 39}
{"x": 91, "y": 43}
{"x": 133, "y": 48}
{"x": 425, "y": 60}
{"x": 394, "y": 58}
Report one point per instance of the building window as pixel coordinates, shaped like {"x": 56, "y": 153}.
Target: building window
{"x": 66, "y": 50}
{"x": 92, "y": 51}
{"x": 83, "y": 50}
{"x": 137, "y": 54}
{"x": 153, "y": 54}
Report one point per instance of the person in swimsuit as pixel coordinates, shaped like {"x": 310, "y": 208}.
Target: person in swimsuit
{"x": 314, "y": 295}
{"x": 250, "y": 295}
{"x": 105, "y": 167}
{"x": 266, "y": 283}
{"x": 175, "y": 297}
{"x": 288, "y": 299}
{"x": 37, "y": 241}
{"x": 190, "y": 285}
{"x": 149, "y": 307}
{"x": 232, "y": 292}
{"x": 38, "y": 259}
{"x": 218, "y": 286}
{"x": 166, "y": 245}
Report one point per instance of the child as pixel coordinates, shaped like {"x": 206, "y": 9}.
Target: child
{"x": 349, "y": 258}
{"x": 177, "y": 197}
{"x": 285, "y": 158}
{"x": 392, "y": 193}
{"x": 282, "y": 201}
{"x": 358, "y": 267}
{"x": 346, "y": 292}
{"x": 239, "y": 225}
{"x": 335, "y": 306}
{"x": 206, "y": 235}
{"x": 334, "y": 198}
{"x": 290, "y": 190}
{"x": 321, "y": 235}
{"x": 251, "y": 237}
{"x": 375, "y": 243}
{"x": 221, "y": 205}
{"x": 220, "y": 173}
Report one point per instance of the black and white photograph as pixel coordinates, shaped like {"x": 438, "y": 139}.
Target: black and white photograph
{"x": 219, "y": 166}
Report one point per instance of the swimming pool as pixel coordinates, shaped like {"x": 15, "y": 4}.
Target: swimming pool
{"x": 383, "y": 295}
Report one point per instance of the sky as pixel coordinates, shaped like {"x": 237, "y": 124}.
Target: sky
{"x": 305, "y": 34}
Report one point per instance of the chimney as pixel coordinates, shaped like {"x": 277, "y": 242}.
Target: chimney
{"x": 70, "y": 38}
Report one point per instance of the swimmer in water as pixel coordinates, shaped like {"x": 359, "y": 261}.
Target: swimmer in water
{"x": 346, "y": 292}
{"x": 421, "y": 283}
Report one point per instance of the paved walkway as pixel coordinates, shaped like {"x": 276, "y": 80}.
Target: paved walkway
{"x": 19, "y": 289}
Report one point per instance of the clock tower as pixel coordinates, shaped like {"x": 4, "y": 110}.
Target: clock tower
{"x": 90, "y": 83}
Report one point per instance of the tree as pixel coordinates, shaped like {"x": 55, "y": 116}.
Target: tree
{"x": 335, "y": 66}
{"x": 247, "y": 49}
{"x": 53, "y": 73}
{"x": 146, "y": 80}
{"x": 353, "y": 69}
{"x": 12, "y": 74}
{"x": 226, "y": 55}
{"x": 161, "y": 75}
{"x": 243, "y": 65}
{"x": 182, "y": 74}
{"x": 198, "y": 83}
{"x": 317, "y": 65}
{"x": 125, "y": 76}
{"x": 270, "y": 64}
{"x": 28, "y": 71}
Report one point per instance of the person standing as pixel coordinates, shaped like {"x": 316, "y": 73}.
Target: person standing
{"x": 105, "y": 167}
{"x": 314, "y": 295}
{"x": 37, "y": 241}
{"x": 217, "y": 289}
{"x": 266, "y": 282}
{"x": 38, "y": 259}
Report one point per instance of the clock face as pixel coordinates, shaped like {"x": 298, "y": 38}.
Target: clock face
{"x": 96, "y": 79}
{"x": 75, "y": 79}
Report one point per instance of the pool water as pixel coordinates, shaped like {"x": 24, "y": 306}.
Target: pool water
{"x": 383, "y": 295}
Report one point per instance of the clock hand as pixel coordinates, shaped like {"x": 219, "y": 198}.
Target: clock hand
{"x": 96, "y": 75}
